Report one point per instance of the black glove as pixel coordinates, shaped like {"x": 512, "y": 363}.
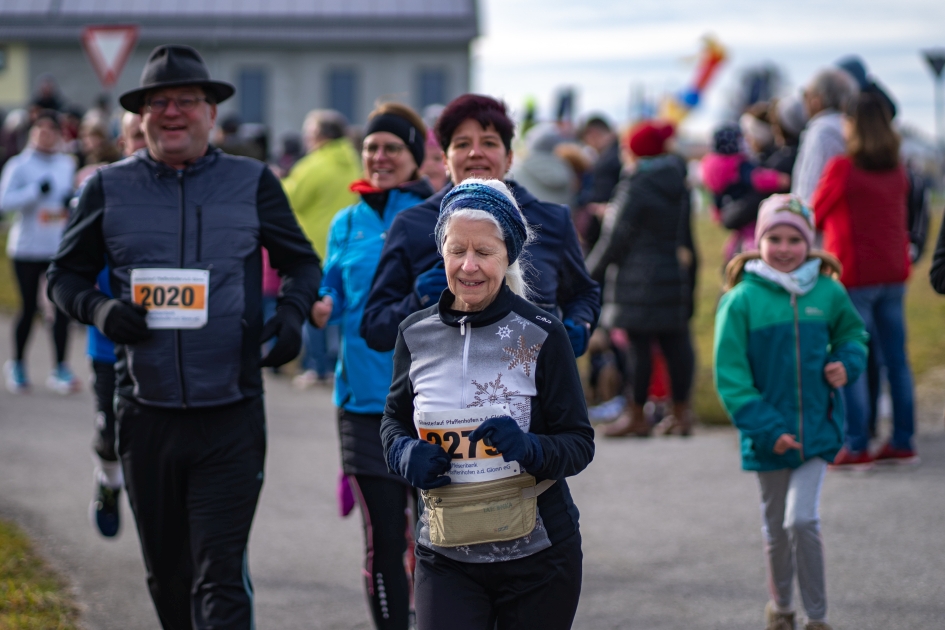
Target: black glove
{"x": 286, "y": 326}
{"x": 45, "y": 186}
{"x": 507, "y": 437}
{"x": 421, "y": 463}
{"x": 122, "y": 321}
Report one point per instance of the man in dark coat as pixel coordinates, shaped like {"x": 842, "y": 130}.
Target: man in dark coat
{"x": 181, "y": 226}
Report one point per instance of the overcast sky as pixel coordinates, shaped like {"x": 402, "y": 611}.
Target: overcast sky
{"x": 607, "y": 48}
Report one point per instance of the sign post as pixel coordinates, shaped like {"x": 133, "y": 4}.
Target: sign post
{"x": 108, "y": 48}
{"x": 936, "y": 61}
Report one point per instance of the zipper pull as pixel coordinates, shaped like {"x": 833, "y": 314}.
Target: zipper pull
{"x": 462, "y": 325}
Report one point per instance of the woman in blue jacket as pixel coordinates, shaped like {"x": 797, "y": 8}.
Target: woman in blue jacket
{"x": 393, "y": 148}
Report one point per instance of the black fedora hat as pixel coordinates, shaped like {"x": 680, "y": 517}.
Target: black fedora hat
{"x": 171, "y": 66}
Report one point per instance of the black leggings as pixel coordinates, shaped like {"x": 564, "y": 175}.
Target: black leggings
{"x": 677, "y": 349}
{"x": 28, "y": 274}
{"x": 538, "y": 591}
{"x": 388, "y": 542}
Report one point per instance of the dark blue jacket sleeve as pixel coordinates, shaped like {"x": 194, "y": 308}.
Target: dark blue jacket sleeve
{"x": 392, "y": 297}
{"x": 397, "y": 421}
{"x": 578, "y": 295}
{"x": 563, "y": 428}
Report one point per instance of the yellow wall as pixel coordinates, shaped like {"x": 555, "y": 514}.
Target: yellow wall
{"x": 14, "y": 80}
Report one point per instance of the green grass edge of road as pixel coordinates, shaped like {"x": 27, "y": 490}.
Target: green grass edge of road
{"x": 32, "y": 595}
{"x": 925, "y": 310}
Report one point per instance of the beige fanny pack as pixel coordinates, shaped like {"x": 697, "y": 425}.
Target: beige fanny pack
{"x": 483, "y": 512}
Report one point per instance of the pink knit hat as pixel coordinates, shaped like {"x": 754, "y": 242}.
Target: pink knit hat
{"x": 785, "y": 210}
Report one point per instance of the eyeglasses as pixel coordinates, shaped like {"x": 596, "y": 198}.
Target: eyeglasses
{"x": 390, "y": 149}
{"x": 183, "y": 103}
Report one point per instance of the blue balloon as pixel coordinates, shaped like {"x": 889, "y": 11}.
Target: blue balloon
{"x": 690, "y": 97}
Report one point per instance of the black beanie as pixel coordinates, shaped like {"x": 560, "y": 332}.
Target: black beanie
{"x": 403, "y": 129}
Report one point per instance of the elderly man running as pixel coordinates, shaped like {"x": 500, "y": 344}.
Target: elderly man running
{"x": 181, "y": 226}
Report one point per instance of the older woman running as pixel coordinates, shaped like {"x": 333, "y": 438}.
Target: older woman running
{"x": 486, "y": 388}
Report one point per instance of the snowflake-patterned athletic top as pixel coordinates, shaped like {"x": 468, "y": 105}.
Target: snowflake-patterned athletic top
{"x": 514, "y": 354}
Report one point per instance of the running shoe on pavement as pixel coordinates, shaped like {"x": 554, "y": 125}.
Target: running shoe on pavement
{"x": 305, "y": 380}
{"x": 892, "y": 455}
{"x": 848, "y": 460}
{"x": 15, "y": 373}
{"x": 105, "y": 510}
{"x": 62, "y": 381}
{"x": 607, "y": 411}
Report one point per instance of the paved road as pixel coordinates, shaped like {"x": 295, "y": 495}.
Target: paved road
{"x": 671, "y": 527}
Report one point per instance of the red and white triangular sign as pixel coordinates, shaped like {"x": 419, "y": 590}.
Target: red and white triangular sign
{"x": 108, "y": 48}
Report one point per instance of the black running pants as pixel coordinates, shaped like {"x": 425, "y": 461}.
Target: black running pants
{"x": 28, "y": 274}
{"x": 193, "y": 478}
{"x": 539, "y": 591}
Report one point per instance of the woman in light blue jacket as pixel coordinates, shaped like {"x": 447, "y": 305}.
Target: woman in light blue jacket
{"x": 392, "y": 150}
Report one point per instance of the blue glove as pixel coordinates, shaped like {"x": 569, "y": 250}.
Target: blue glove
{"x": 578, "y": 334}
{"x": 419, "y": 462}
{"x": 505, "y": 436}
{"x": 430, "y": 284}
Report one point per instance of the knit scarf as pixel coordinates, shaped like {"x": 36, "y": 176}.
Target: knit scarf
{"x": 799, "y": 282}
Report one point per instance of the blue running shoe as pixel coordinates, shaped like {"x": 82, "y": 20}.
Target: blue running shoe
{"x": 105, "y": 511}
{"x": 15, "y": 374}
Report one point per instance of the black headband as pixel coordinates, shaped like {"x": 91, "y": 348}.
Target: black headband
{"x": 403, "y": 129}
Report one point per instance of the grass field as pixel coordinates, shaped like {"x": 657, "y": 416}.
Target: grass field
{"x": 32, "y": 596}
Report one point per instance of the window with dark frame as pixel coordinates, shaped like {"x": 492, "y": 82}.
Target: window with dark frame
{"x": 342, "y": 92}
{"x": 252, "y": 94}
{"x": 432, "y": 87}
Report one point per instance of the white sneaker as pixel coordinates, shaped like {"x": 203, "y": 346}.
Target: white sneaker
{"x": 306, "y": 380}
{"x": 607, "y": 411}
{"x": 62, "y": 381}
{"x": 15, "y": 373}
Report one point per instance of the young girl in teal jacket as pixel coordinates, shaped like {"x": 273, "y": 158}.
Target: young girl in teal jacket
{"x": 786, "y": 338}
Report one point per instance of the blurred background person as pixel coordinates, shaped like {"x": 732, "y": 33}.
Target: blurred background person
{"x": 647, "y": 236}
{"x": 393, "y": 150}
{"x": 291, "y": 153}
{"x": 97, "y": 149}
{"x": 730, "y": 174}
{"x": 229, "y": 139}
{"x": 540, "y": 170}
{"x": 785, "y": 118}
{"x": 36, "y": 185}
{"x": 318, "y": 186}
{"x": 601, "y": 138}
{"x": 433, "y": 168}
{"x": 825, "y": 97}
{"x": 860, "y": 205}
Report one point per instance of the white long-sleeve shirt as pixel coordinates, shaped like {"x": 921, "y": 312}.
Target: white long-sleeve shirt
{"x": 820, "y": 141}
{"x": 40, "y": 217}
